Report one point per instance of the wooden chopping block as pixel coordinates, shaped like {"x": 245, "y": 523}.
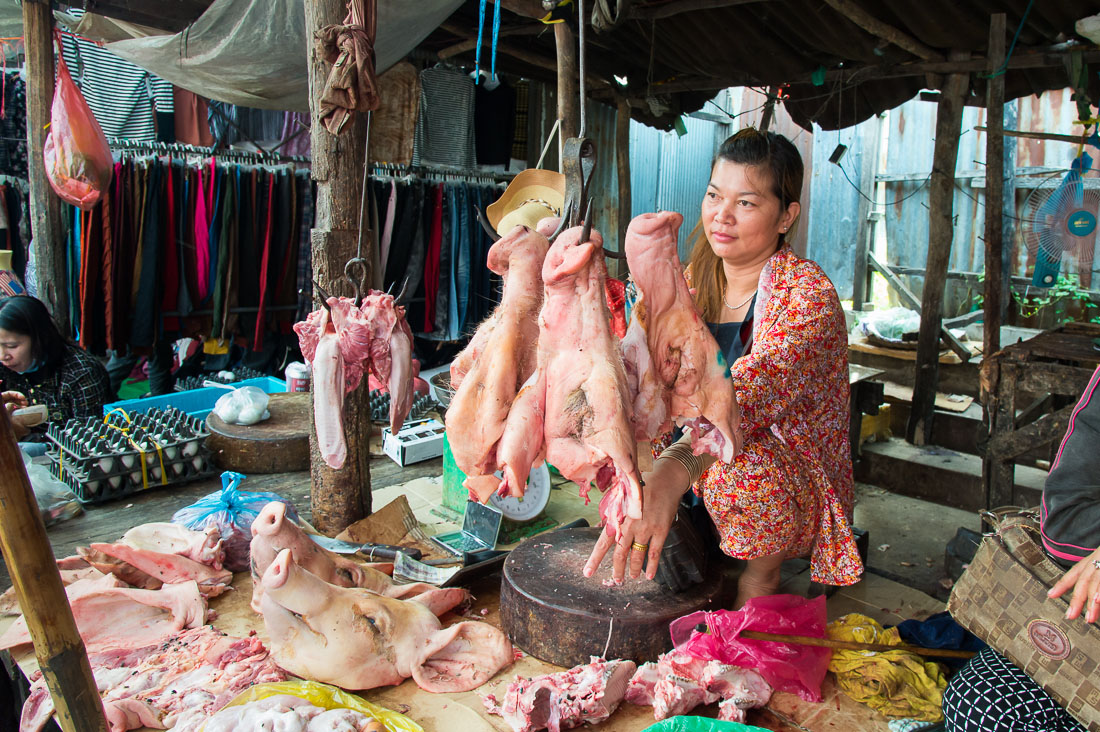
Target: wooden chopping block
{"x": 556, "y": 614}
{"x": 279, "y": 444}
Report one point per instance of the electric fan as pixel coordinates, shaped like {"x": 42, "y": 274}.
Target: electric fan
{"x": 1058, "y": 223}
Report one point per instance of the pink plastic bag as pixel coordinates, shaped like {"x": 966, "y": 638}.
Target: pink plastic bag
{"x": 787, "y": 667}
{"x": 77, "y": 156}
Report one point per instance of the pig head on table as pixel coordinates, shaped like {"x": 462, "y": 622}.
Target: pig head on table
{"x": 273, "y": 532}
{"x": 357, "y": 639}
{"x": 342, "y": 342}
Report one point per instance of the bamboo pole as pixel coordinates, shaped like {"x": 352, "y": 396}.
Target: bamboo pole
{"x": 1052, "y": 136}
{"x": 803, "y": 640}
{"x": 57, "y": 643}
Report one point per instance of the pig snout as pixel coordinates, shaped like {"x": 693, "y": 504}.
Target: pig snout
{"x": 278, "y": 571}
{"x": 270, "y": 520}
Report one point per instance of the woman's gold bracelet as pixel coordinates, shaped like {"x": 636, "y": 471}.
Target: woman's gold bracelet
{"x": 681, "y": 453}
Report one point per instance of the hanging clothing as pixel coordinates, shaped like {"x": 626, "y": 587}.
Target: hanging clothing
{"x": 494, "y": 124}
{"x": 445, "y": 123}
{"x": 394, "y": 123}
{"x": 192, "y": 118}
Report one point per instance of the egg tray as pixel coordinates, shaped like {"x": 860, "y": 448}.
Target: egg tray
{"x": 197, "y": 382}
{"x": 422, "y": 405}
{"x": 100, "y": 462}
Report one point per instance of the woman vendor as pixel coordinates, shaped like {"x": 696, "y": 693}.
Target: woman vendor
{"x": 779, "y": 322}
{"x": 38, "y": 366}
{"x": 990, "y": 694}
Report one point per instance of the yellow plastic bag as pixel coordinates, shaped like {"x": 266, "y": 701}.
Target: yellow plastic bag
{"x": 326, "y": 697}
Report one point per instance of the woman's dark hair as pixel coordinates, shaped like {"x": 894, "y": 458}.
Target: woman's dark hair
{"x": 28, "y": 316}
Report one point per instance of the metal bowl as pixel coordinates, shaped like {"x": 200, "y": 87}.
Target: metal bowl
{"x": 441, "y": 383}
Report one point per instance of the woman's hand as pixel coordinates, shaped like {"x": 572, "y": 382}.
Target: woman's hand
{"x": 13, "y": 400}
{"x": 1084, "y": 578}
{"x": 661, "y": 493}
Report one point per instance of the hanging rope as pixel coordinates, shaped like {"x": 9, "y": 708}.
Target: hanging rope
{"x": 351, "y": 84}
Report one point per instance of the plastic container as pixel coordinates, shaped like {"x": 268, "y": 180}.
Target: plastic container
{"x": 196, "y": 402}
{"x": 297, "y": 377}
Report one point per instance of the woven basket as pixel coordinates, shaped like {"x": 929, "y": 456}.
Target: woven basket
{"x": 1002, "y": 599}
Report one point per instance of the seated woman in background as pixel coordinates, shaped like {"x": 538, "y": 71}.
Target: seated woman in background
{"x": 990, "y": 694}
{"x": 39, "y": 366}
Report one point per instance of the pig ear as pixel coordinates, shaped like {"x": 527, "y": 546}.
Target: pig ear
{"x": 439, "y": 600}
{"x": 462, "y": 658}
{"x": 571, "y": 260}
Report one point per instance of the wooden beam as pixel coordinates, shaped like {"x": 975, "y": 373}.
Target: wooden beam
{"x": 27, "y": 553}
{"x": 661, "y": 10}
{"x": 51, "y": 268}
{"x": 1051, "y": 136}
{"x": 876, "y": 27}
{"x": 912, "y": 301}
{"x": 338, "y": 497}
{"x": 471, "y": 38}
{"x": 994, "y": 202}
{"x": 525, "y": 8}
{"x": 941, "y": 189}
{"x": 567, "y": 82}
{"x": 768, "y": 114}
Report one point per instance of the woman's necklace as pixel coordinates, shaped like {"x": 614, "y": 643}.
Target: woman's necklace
{"x": 738, "y": 307}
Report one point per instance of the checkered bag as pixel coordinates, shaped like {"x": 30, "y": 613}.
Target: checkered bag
{"x": 1002, "y": 599}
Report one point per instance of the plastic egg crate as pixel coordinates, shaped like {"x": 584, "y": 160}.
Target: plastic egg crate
{"x": 380, "y": 406}
{"x": 100, "y": 462}
{"x": 240, "y": 373}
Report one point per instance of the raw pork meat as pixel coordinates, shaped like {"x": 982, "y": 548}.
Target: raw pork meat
{"x": 584, "y": 694}
{"x": 176, "y": 684}
{"x": 273, "y": 532}
{"x": 71, "y": 569}
{"x": 286, "y": 713}
{"x": 675, "y": 369}
{"x": 110, "y": 616}
{"x": 204, "y": 547}
{"x": 586, "y": 404}
{"x": 148, "y": 569}
{"x": 501, "y": 356}
{"x": 342, "y": 342}
{"x": 678, "y": 683}
{"x": 380, "y": 640}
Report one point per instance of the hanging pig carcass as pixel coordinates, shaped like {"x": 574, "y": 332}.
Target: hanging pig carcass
{"x": 342, "y": 341}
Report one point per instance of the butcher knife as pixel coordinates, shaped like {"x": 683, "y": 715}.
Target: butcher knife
{"x": 369, "y": 551}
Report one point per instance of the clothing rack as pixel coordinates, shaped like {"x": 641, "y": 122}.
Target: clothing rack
{"x": 179, "y": 148}
{"x": 441, "y": 173}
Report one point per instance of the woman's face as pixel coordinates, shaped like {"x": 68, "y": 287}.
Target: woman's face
{"x": 16, "y": 351}
{"x": 742, "y": 218}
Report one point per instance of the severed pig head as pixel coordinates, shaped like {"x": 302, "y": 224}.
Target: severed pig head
{"x": 357, "y": 639}
{"x": 342, "y": 342}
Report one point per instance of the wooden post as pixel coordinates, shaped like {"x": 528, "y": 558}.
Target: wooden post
{"x": 940, "y": 232}
{"x": 567, "y": 82}
{"x": 994, "y": 184}
{"x": 1008, "y": 197}
{"x": 622, "y": 160}
{"x": 57, "y": 644}
{"x": 51, "y": 271}
{"x": 999, "y": 472}
{"x": 865, "y": 235}
{"x": 338, "y": 497}
{"x": 769, "y": 109}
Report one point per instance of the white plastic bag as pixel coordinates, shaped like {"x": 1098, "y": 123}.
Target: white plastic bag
{"x": 889, "y": 325}
{"x": 55, "y": 501}
{"x": 246, "y": 405}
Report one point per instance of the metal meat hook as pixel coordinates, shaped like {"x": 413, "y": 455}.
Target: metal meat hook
{"x": 357, "y": 286}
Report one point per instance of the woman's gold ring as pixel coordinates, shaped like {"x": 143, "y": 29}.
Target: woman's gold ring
{"x": 639, "y": 547}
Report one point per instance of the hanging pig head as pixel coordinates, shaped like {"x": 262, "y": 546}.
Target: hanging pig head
{"x": 342, "y": 341}
{"x": 357, "y": 639}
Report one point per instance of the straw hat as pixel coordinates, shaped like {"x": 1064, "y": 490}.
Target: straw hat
{"x": 532, "y": 195}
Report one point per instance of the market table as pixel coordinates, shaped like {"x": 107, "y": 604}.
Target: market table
{"x": 877, "y": 597}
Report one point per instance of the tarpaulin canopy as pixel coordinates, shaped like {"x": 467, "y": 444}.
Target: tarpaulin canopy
{"x": 253, "y": 52}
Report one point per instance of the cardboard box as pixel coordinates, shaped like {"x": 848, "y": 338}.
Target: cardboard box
{"x": 415, "y": 442}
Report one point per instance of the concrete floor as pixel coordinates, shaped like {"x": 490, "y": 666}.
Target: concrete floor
{"x": 908, "y": 537}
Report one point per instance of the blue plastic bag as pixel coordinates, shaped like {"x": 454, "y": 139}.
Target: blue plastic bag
{"x": 232, "y": 511}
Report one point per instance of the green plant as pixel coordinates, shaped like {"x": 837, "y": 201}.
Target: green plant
{"x": 1060, "y": 300}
